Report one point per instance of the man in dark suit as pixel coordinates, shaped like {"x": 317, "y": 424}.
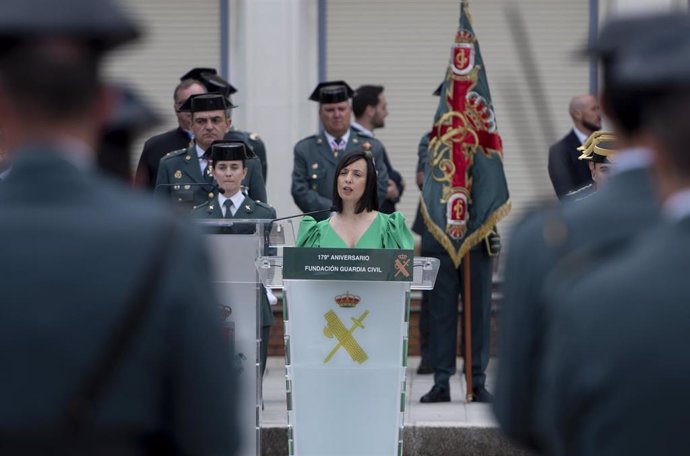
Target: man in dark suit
{"x": 316, "y": 156}
{"x": 370, "y": 108}
{"x": 605, "y": 223}
{"x": 565, "y": 170}
{"x": 81, "y": 253}
{"x": 617, "y": 345}
{"x": 184, "y": 175}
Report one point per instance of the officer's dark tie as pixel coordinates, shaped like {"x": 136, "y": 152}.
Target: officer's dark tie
{"x": 336, "y": 149}
{"x": 228, "y": 208}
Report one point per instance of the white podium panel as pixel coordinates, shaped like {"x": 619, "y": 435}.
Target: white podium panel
{"x": 346, "y": 314}
{"x": 346, "y": 342}
{"x": 234, "y": 246}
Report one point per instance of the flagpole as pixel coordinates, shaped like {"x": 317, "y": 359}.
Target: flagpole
{"x": 467, "y": 312}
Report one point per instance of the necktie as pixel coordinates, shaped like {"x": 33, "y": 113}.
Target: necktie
{"x": 336, "y": 149}
{"x": 228, "y": 208}
{"x": 205, "y": 171}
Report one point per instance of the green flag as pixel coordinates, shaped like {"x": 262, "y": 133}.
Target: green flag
{"x": 465, "y": 191}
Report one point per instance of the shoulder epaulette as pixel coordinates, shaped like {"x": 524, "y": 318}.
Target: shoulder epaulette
{"x": 308, "y": 138}
{"x": 264, "y": 205}
{"x": 175, "y": 153}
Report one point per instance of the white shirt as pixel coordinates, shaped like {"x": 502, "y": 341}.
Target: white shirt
{"x": 237, "y": 199}
{"x": 677, "y": 206}
{"x": 358, "y": 126}
{"x": 631, "y": 158}
{"x": 76, "y": 152}
{"x": 203, "y": 163}
{"x": 5, "y": 173}
{"x": 580, "y": 135}
{"x": 343, "y": 140}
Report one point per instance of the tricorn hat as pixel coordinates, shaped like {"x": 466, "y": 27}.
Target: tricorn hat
{"x": 332, "y": 92}
{"x": 206, "y": 102}
{"x": 600, "y": 147}
{"x": 210, "y": 79}
{"x": 229, "y": 150}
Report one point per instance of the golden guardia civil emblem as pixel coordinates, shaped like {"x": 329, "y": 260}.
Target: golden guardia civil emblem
{"x": 401, "y": 265}
{"x": 335, "y": 328}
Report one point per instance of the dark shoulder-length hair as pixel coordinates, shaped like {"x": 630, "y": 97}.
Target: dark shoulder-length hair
{"x": 370, "y": 198}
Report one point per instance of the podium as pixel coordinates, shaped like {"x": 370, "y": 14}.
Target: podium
{"x": 234, "y": 245}
{"x": 346, "y": 314}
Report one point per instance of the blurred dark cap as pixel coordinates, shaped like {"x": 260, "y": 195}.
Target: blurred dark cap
{"x": 661, "y": 61}
{"x": 101, "y": 24}
{"x": 625, "y": 33}
{"x": 131, "y": 112}
{"x": 229, "y": 150}
{"x": 331, "y": 92}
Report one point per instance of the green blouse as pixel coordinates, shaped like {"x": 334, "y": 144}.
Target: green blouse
{"x": 386, "y": 231}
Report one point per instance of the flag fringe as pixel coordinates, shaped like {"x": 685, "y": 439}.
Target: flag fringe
{"x": 471, "y": 240}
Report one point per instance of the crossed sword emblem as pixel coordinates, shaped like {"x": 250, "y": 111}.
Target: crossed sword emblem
{"x": 336, "y": 328}
{"x": 400, "y": 267}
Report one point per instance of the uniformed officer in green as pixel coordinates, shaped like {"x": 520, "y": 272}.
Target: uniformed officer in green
{"x": 215, "y": 84}
{"x": 316, "y": 156}
{"x": 184, "y": 175}
{"x": 228, "y": 160}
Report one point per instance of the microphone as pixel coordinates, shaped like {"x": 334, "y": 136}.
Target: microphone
{"x": 320, "y": 211}
{"x": 269, "y": 226}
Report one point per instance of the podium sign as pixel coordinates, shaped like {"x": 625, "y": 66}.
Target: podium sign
{"x": 234, "y": 245}
{"x": 346, "y": 321}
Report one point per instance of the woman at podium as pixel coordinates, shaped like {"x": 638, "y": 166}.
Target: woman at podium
{"x": 356, "y": 223}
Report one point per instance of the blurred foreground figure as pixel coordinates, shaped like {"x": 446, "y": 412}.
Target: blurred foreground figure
{"x": 600, "y": 227}
{"x": 4, "y": 160}
{"x": 112, "y": 342}
{"x": 130, "y": 117}
{"x": 617, "y": 345}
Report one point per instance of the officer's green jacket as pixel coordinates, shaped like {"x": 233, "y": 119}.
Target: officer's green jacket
{"x": 255, "y": 143}
{"x": 314, "y": 170}
{"x": 179, "y": 178}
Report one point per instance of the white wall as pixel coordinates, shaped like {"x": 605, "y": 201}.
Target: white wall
{"x": 274, "y": 61}
{"x": 402, "y": 44}
{"x": 178, "y": 35}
